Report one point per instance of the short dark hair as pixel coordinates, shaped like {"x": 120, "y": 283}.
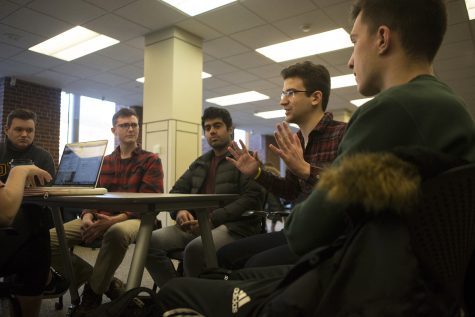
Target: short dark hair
{"x": 123, "y": 112}
{"x": 215, "y": 113}
{"x": 421, "y": 24}
{"x": 23, "y": 114}
{"x": 314, "y": 77}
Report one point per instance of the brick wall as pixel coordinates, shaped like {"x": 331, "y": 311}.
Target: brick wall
{"x": 45, "y": 101}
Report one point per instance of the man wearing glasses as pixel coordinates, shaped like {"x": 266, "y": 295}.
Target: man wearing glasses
{"x": 127, "y": 169}
{"x": 305, "y": 96}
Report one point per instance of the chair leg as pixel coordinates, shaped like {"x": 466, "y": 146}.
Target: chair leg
{"x": 15, "y": 309}
{"x": 59, "y": 304}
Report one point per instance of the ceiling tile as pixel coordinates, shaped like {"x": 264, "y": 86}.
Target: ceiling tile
{"x": 8, "y": 50}
{"x": 217, "y": 67}
{"x": 37, "y": 23}
{"x": 457, "y": 12}
{"x": 17, "y": 37}
{"x": 237, "y": 77}
{"x": 128, "y": 71}
{"x": 21, "y": 2}
{"x": 11, "y": 68}
{"x": 223, "y": 47}
{"x": 37, "y": 59}
{"x": 109, "y": 79}
{"x": 7, "y": 8}
{"x": 123, "y": 53}
{"x": 152, "y": 14}
{"x": 110, "y": 5}
{"x": 197, "y": 28}
{"x": 260, "y": 36}
{"x": 213, "y": 82}
{"x": 138, "y": 42}
{"x": 451, "y": 50}
{"x": 230, "y": 19}
{"x": 77, "y": 70}
{"x": 55, "y": 79}
{"x": 316, "y": 20}
{"x": 267, "y": 71}
{"x": 98, "y": 62}
{"x": 327, "y": 3}
{"x": 72, "y": 12}
{"x": 259, "y": 85}
{"x": 337, "y": 58}
{"x": 281, "y": 9}
{"x": 248, "y": 60}
{"x": 457, "y": 32}
{"x": 116, "y": 27}
{"x": 340, "y": 14}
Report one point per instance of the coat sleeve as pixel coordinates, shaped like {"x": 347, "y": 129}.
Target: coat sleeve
{"x": 314, "y": 223}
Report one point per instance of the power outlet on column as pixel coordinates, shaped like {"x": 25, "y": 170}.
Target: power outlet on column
{"x": 156, "y": 148}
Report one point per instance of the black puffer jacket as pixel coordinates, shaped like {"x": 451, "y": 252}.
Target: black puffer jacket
{"x": 228, "y": 181}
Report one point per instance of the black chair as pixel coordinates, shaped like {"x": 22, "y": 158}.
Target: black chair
{"x": 443, "y": 233}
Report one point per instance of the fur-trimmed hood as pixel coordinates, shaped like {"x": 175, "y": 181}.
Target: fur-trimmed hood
{"x": 381, "y": 181}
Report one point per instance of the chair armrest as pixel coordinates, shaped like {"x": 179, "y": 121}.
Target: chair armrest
{"x": 249, "y": 213}
{"x": 283, "y": 213}
{"x": 9, "y": 231}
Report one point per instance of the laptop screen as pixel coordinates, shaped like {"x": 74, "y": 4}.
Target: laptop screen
{"x": 80, "y": 164}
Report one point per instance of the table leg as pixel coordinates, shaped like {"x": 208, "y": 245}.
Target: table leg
{"x": 58, "y": 224}
{"x": 141, "y": 248}
{"x": 208, "y": 244}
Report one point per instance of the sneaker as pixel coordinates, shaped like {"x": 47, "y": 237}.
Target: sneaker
{"x": 89, "y": 301}
{"x": 57, "y": 286}
{"x": 116, "y": 288}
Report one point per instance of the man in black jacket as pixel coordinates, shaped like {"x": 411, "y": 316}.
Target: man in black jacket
{"x": 208, "y": 174}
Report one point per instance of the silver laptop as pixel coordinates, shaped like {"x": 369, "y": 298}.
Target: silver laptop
{"x": 78, "y": 171}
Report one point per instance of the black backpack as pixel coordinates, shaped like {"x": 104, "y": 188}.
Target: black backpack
{"x": 129, "y": 304}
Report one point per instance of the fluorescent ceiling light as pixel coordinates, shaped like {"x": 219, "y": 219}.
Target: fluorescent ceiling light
{"x": 360, "y": 102}
{"x": 470, "y": 8}
{"x": 203, "y": 76}
{"x": 235, "y": 99}
{"x": 271, "y": 114}
{"x": 310, "y": 45}
{"x": 343, "y": 81}
{"x": 195, "y": 7}
{"x": 73, "y": 44}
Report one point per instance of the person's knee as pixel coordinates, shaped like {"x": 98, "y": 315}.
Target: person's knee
{"x": 194, "y": 249}
{"x": 118, "y": 236}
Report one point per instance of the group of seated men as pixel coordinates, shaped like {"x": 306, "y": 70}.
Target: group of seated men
{"x": 392, "y": 59}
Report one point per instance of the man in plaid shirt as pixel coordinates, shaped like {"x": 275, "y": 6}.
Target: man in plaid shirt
{"x": 304, "y": 98}
{"x": 127, "y": 169}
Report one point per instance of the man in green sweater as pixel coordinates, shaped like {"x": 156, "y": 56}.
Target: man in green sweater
{"x": 394, "y": 47}
{"x": 392, "y": 59}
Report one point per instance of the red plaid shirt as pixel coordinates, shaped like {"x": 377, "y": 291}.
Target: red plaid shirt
{"x": 320, "y": 152}
{"x": 141, "y": 173}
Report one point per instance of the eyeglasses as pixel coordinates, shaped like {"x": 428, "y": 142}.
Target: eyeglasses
{"x": 127, "y": 126}
{"x": 290, "y": 93}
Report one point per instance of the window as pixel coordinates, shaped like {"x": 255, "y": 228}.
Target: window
{"x": 241, "y": 135}
{"x": 95, "y": 121}
{"x": 91, "y": 119}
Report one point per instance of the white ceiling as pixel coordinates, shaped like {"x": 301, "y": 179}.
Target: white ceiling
{"x": 230, "y": 34}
